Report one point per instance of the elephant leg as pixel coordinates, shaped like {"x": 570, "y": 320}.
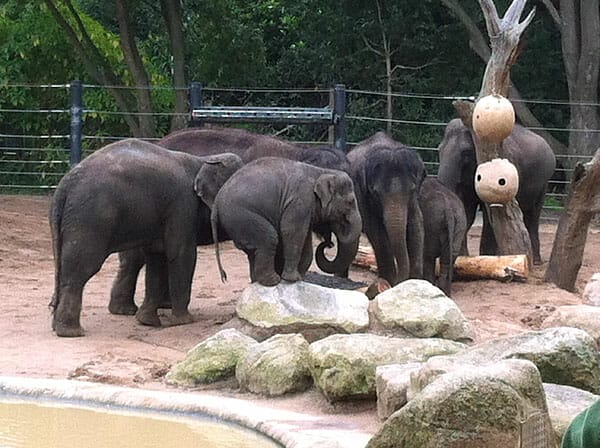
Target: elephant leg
{"x": 446, "y": 266}
{"x": 295, "y": 225}
{"x": 181, "y": 272}
{"x": 251, "y": 262}
{"x": 487, "y": 245}
{"x": 155, "y": 273}
{"x": 429, "y": 268}
{"x": 470, "y": 212}
{"x": 123, "y": 289}
{"x": 260, "y": 239}
{"x": 79, "y": 263}
{"x": 384, "y": 257}
{"x": 307, "y": 255}
{"x": 158, "y": 287}
{"x": 531, "y": 219}
{"x": 415, "y": 235}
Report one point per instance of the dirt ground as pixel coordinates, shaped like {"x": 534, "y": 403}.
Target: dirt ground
{"x": 117, "y": 350}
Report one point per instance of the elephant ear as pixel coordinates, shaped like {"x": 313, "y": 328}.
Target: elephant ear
{"x": 325, "y": 188}
{"x": 215, "y": 171}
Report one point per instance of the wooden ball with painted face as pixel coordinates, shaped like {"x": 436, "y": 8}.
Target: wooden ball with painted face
{"x": 496, "y": 181}
{"x": 493, "y": 118}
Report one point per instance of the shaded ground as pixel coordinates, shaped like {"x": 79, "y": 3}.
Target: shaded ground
{"x": 117, "y": 350}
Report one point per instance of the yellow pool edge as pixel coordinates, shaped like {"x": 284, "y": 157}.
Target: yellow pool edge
{"x": 291, "y": 429}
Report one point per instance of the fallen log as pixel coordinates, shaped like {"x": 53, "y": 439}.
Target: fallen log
{"x": 496, "y": 267}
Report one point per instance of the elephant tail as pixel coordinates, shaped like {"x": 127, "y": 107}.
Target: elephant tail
{"x": 214, "y": 225}
{"x": 55, "y": 218}
{"x": 451, "y": 221}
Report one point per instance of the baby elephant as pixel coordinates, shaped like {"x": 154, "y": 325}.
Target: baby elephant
{"x": 269, "y": 209}
{"x": 445, "y": 226}
{"x": 127, "y": 195}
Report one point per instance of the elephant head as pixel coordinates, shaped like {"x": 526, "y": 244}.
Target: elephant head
{"x": 457, "y": 161}
{"x": 213, "y": 174}
{"x": 389, "y": 178}
{"x": 337, "y": 213}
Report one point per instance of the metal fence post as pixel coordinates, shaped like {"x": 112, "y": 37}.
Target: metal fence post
{"x": 195, "y": 102}
{"x": 76, "y": 121}
{"x": 339, "y": 117}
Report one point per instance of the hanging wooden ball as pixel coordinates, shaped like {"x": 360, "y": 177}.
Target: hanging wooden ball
{"x": 496, "y": 181}
{"x": 493, "y": 118}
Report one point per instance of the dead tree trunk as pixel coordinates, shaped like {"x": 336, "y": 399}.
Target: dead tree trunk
{"x": 583, "y": 202}
{"x": 505, "y": 35}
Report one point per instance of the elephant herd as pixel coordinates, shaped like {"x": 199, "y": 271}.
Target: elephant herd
{"x": 154, "y": 203}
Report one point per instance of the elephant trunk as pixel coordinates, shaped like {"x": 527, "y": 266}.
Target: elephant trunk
{"x": 347, "y": 245}
{"x": 395, "y": 208}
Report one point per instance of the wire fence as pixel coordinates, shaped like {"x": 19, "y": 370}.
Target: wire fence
{"x": 35, "y": 131}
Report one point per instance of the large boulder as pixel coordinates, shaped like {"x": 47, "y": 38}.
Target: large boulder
{"x": 276, "y": 366}
{"x": 301, "y": 307}
{"x": 564, "y": 404}
{"x": 472, "y": 408}
{"x": 584, "y": 317}
{"x": 563, "y": 355}
{"x": 213, "y": 359}
{"x": 343, "y": 366}
{"x": 421, "y": 310}
{"x": 391, "y": 383}
{"x": 591, "y": 293}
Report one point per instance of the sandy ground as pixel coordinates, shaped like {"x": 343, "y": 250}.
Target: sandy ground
{"x": 116, "y": 350}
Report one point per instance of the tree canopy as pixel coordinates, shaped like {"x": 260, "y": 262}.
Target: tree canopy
{"x": 415, "y": 46}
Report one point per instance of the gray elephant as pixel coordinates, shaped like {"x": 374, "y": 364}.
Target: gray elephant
{"x": 531, "y": 155}
{"x": 126, "y": 195}
{"x": 202, "y": 142}
{"x": 445, "y": 225}
{"x": 251, "y": 146}
{"x": 271, "y": 206}
{"x": 387, "y": 177}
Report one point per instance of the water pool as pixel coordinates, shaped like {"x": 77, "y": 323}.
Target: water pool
{"x": 260, "y": 417}
{"x": 54, "y": 423}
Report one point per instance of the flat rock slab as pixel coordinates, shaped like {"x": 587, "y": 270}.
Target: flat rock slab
{"x": 303, "y": 304}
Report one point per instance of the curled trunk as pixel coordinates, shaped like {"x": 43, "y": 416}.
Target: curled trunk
{"x": 345, "y": 255}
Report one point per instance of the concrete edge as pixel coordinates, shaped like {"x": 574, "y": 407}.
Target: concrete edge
{"x": 291, "y": 429}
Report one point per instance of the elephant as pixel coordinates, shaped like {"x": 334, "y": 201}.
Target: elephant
{"x": 445, "y": 225}
{"x": 535, "y": 163}
{"x": 203, "y": 142}
{"x": 387, "y": 178}
{"x": 131, "y": 194}
{"x": 251, "y": 146}
{"x": 271, "y": 206}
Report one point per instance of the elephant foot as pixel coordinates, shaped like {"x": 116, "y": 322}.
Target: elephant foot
{"x": 122, "y": 307}
{"x": 182, "y": 319}
{"x": 148, "y": 317}
{"x": 269, "y": 280}
{"x": 67, "y": 331}
{"x": 292, "y": 277}
{"x": 165, "y": 304}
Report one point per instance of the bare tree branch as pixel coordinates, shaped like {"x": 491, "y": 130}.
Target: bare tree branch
{"x": 408, "y": 67}
{"x": 492, "y": 21}
{"x": 370, "y": 46}
{"x": 478, "y": 42}
{"x": 514, "y": 12}
{"x": 554, "y": 13}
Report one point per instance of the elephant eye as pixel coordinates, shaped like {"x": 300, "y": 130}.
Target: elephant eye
{"x": 479, "y": 178}
{"x": 502, "y": 181}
